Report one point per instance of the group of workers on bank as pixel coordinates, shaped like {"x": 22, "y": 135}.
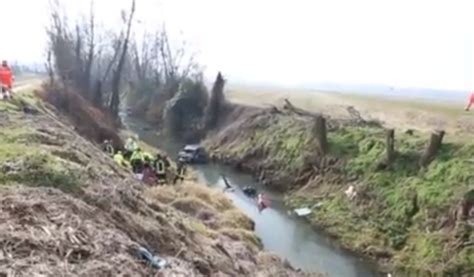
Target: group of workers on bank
{"x": 154, "y": 169}
{"x": 146, "y": 167}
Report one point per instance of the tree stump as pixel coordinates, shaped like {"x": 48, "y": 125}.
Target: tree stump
{"x": 320, "y": 131}
{"x": 390, "y": 151}
{"x": 432, "y": 149}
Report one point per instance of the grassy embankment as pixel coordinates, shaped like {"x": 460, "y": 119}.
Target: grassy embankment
{"x": 22, "y": 149}
{"x": 69, "y": 208}
{"x": 404, "y": 215}
{"x": 18, "y": 140}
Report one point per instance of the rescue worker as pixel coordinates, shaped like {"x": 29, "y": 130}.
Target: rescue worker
{"x": 6, "y": 80}
{"x": 137, "y": 161}
{"x": 108, "y": 148}
{"x": 119, "y": 159}
{"x": 148, "y": 158}
{"x": 160, "y": 168}
{"x": 131, "y": 146}
{"x": 470, "y": 102}
{"x": 180, "y": 171}
{"x": 167, "y": 162}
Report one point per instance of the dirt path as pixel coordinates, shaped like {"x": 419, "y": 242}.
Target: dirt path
{"x": 400, "y": 114}
{"x": 27, "y": 84}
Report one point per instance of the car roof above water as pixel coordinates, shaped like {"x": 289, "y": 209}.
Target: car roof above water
{"x": 192, "y": 147}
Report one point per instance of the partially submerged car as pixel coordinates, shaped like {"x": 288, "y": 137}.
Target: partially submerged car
{"x": 193, "y": 154}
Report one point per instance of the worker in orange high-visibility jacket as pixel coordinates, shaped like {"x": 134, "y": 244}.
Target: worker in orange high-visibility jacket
{"x": 6, "y": 80}
{"x": 470, "y": 102}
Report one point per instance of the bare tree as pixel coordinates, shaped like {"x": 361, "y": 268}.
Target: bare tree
{"x": 91, "y": 51}
{"x": 115, "y": 100}
{"x": 216, "y": 103}
{"x": 61, "y": 44}
{"x": 49, "y": 67}
{"x": 72, "y": 62}
{"x": 79, "y": 64}
{"x": 159, "y": 70}
{"x": 94, "y": 61}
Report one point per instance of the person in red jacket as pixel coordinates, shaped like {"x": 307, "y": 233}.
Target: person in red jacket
{"x": 470, "y": 102}
{"x": 6, "y": 80}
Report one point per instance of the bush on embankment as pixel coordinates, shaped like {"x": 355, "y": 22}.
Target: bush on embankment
{"x": 414, "y": 218}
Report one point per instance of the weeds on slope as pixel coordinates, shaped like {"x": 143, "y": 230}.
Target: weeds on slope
{"x": 404, "y": 211}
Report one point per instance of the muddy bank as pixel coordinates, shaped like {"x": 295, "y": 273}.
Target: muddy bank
{"x": 68, "y": 208}
{"x": 403, "y": 215}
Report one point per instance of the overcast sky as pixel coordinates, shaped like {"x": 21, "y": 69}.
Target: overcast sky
{"x": 420, "y": 43}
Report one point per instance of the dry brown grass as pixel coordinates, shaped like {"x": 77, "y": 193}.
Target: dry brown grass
{"x": 244, "y": 235}
{"x": 163, "y": 194}
{"x": 201, "y": 228}
{"x": 236, "y": 219}
{"x": 52, "y": 234}
{"x": 206, "y": 204}
{"x": 191, "y": 205}
{"x": 214, "y": 198}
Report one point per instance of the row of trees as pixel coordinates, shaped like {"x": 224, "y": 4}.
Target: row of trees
{"x": 161, "y": 81}
{"x": 79, "y": 58}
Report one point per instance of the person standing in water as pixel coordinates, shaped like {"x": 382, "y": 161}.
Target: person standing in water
{"x": 262, "y": 202}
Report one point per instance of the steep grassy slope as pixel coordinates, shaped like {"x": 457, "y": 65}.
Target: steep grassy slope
{"x": 68, "y": 209}
{"x": 412, "y": 218}
{"x": 266, "y": 144}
